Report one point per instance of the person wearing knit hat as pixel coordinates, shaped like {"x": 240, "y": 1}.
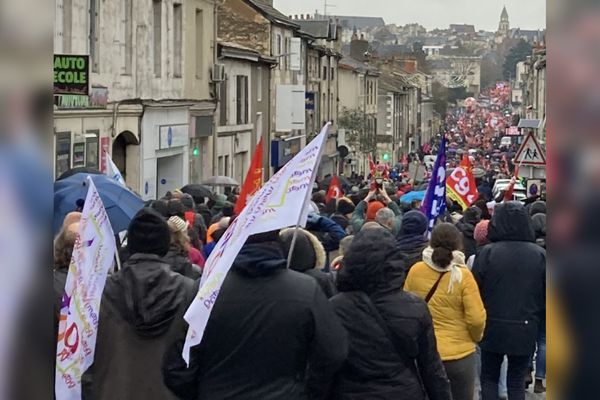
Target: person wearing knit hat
{"x": 411, "y": 240}
{"x": 140, "y": 317}
{"x": 148, "y": 233}
{"x": 179, "y": 256}
{"x": 343, "y": 212}
{"x": 481, "y": 238}
{"x": 366, "y": 210}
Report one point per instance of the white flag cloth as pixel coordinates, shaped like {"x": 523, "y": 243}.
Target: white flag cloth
{"x": 113, "y": 171}
{"x": 278, "y": 204}
{"x": 93, "y": 256}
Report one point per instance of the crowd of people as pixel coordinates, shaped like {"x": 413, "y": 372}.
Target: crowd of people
{"x": 369, "y": 307}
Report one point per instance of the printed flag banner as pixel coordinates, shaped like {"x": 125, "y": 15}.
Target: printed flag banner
{"x": 434, "y": 202}
{"x": 113, "y": 172}
{"x": 335, "y": 189}
{"x": 93, "y": 256}
{"x": 461, "y": 185}
{"x": 254, "y": 179}
{"x": 278, "y": 204}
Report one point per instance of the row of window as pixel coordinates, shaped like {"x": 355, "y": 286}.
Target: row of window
{"x": 125, "y": 30}
{"x": 313, "y": 69}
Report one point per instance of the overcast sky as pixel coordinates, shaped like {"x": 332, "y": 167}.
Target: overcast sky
{"x": 484, "y": 14}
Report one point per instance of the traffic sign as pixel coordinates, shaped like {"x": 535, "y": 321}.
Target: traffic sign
{"x": 530, "y": 152}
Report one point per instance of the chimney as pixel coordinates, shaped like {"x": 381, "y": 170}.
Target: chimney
{"x": 295, "y": 16}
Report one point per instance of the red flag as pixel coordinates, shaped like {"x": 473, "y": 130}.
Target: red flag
{"x": 254, "y": 179}
{"x": 372, "y": 165}
{"x": 460, "y": 185}
{"x": 335, "y": 189}
{"x": 511, "y": 187}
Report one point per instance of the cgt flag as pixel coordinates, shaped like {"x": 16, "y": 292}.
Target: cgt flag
{"x": 254, "y": 179}
{"x": 278, "y": 204}
{"x": 434, "y": 202}
{"x": 461, "y": 184}
{"x": 335, "y": 189}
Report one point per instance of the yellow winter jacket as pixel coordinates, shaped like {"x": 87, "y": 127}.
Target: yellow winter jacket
{"x": 458, "y": 317}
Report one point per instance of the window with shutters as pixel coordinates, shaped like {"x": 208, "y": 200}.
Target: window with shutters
{"x": 127, "y": 36}
{"x": 223, "y": 103}
{"x": 279, "y": 50}
{"x": 157, "y": 36}
{"x": 93, "y": 35}
{"x": 177, "y": 39}
{"x": 241, "y": 99}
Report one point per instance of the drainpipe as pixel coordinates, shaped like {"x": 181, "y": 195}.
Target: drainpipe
{"x": 216, "y": 113}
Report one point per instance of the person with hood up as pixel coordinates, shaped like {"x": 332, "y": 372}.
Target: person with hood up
{"x": 141, "y": 315}
{"x": 411, "y": 240}
{"x": 511, "y": 274}
{"x": 366, "y": 210}
{"x": 343, "y": 212}
{"x": 179, "y": 256}
{"x": 308, "y": 257}
{"x": 450, "y": 291}
{"x": 393, "y": 351}
{"x": 466, "y": 226}
{"x": 271, "y": 335}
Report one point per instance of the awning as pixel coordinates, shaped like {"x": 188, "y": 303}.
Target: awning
{"x": 529, "y": 123}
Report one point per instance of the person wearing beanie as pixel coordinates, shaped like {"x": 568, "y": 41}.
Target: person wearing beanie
{"x": 179, "y": 254}
{"x": 366, "y": 210}
{"x": 141, "y": 316}
{"x": 481, "y": 238}
{"x": 538, "y": 207}
{"x": 272, "y": 334}
{"x": 308, "y": 257}
{"x": 466, "y": 225}
{"x": 451, "y": 292}
{"x": 411, "y": 240}
{"x": 343, "y": 212}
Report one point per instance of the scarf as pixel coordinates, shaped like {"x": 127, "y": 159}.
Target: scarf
{"x": 458, "y": 262}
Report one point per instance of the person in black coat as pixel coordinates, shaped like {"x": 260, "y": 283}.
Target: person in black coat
{"x": 411, "y": 240}
{"x": 308, "y": 257}
{"x": 466, "y": 226}
{"x": 272, "y": 335}
{"x": 511, "y": 274}
{"x": 393, "y": 352}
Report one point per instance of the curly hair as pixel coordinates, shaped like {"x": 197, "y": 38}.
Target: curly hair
{"x": 180, "y": 240}
{"x": 63, "y": 248}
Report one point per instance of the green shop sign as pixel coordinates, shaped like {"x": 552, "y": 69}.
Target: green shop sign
{"x": 71, "y": 74}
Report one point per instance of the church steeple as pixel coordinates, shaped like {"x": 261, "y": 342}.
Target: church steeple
{"x": 504, "y": 26}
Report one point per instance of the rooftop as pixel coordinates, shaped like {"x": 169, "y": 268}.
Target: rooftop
{"x": 273, "y": 14}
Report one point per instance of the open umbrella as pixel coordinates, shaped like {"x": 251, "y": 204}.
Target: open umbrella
{"x": 414, "y": 195}
{"x": 120, "y": 203}
{"x": 197, "y": 190}
{"x": 220, "y": 181}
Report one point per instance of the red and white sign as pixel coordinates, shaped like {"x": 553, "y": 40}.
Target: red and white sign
{"x": 530, "y": 152}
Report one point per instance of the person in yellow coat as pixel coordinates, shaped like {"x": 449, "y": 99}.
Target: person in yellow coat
{"x": 450, "y": 290}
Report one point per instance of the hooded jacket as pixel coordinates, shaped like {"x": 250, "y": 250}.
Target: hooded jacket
{"x": 405, "y": 366}
{"x": 467, "y": 227}
{"x": 309, "y": 257}
{"x": 511, "y": 275}
{"x": 271, "y": 335}
{"x": 181, "y": 264}
{"x": 141, "y": 315}
{"x": 411, "y": 240}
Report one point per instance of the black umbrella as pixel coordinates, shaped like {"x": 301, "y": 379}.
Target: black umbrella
{"x": 196, "y": 190}
{"x": 77, "y": 170}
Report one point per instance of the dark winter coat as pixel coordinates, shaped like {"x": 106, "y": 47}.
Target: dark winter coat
{"x": 411, "y": 240}
{"x": 141, "y": 315}
{"x": 271, "y": 335}
{"x": 380, "y": 367}
{"x": 181, "y": 264}
{"x": 467, "y": 227}
{"x": 511, "y": 275}
{"x": 341, "y": 220}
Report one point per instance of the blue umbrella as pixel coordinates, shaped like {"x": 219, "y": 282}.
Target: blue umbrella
{"x": 120, "y": 203}
{"x": 414, "y": 195}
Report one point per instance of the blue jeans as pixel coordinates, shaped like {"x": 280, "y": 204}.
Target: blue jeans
{"x": 540, "y": 355}
{"x": 491, "y": 364}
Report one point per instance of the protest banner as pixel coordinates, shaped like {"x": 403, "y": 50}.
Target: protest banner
{"x": 113, "y": 172}
{"x": 434, "y": 202}
{"x": 461, "y": 185}
{"x": 278, "y": 204}
{"x": 93, "y": 256}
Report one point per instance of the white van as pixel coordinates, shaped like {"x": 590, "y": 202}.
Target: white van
{"x": 506, "y": 141}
